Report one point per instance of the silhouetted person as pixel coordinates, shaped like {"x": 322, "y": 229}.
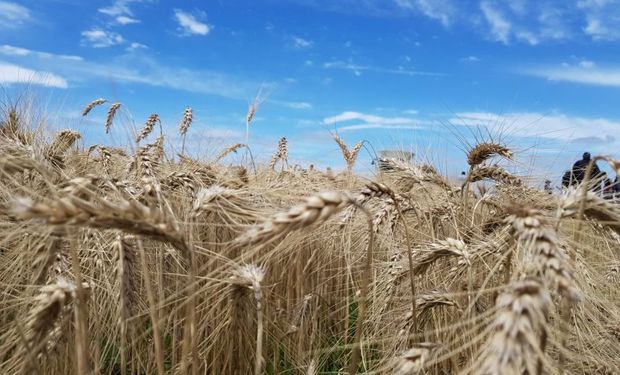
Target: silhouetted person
{"x": 567, "y": 179}
{"x": 580, "y": 167}
{"x": 548, "y": 187}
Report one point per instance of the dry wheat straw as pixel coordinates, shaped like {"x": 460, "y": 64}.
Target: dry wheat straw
{"x": 252, "y": 276}
{"x": 127, "y": 280}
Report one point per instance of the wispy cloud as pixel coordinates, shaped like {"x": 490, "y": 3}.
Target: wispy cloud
{"x": 602, "y": 19}
{"x": 301, "y": 43}
{"x": 13, "y": 15}
{"x": 585, "y": 72}
{"x": 532, "y": 124}
{"x": 121, "y": 12}
{"x": 441, "y": 10}
{"x": 8, "y": 50}
{"x": 99, "y": 38}
{"x": 124, "y": 20}
{"x": 139, "y": 69}
{"x": 136, "y": 46}
{"x": 358, "y": 69}
{"x": 11, "y": 74}
{"x": 293, "y": 105}
{"x": 352, "y": 121}
{"x": 500, "y": 26}
{"x": 352, "y": 115}
{"x": 189, "y": 23}
{"x": 470, "y": 59}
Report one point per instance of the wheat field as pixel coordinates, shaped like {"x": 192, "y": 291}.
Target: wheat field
{"x": 137, "y": 260}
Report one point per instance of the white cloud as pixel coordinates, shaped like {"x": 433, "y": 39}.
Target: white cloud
{"x": 136, "y": 46}
{"x": 8, "y": 50}
{"x": 602, "y": 19}
{"x": 121, "y": 12}
{"x": 99, "y": 38}
{"x": 368, "y": 126}
{"x": 301, "y": 43}
{"x": 358, "y": 69}
{"x": 299, "y": 105}
{"x": 586, "y": 72}
{"x": 527, "y": 36}
{"x": 140, "y": 69}
{"x": 554, "y": 126}
{"x": 500, "y": 26}
{"x": 13, "y": 15}
{"x": 600, "y": 29}
{"x": 470, "y": 59}
{"x": 124, "y": 20}
{"x": 587, "y": 64}
{"x": 11, "y": 74}
{"x": 440, "y": 10}
{"x": 351, "y": 115}
{"x": 189, "y": 24}
{"x": 352, "y": 121}
{"x": 293, "y": 105}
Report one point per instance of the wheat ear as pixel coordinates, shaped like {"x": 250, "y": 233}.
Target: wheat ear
{"x": 89, "y": 107}
{"x": 148, "y": 126}
{"x": 186, "y": 122}
{"x": 483, "y": 151}
{"x": 519, "y": 331}
{"x": 314, "y": 211}
{"x": 110, "y": 117}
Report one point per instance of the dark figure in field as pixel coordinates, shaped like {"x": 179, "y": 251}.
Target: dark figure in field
{"x": 579, "y": 170}
{"x": 567, "y": 179}
{"x": 548, "y": 187}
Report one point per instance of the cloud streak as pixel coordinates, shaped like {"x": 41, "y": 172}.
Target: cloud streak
{"x": 15, "y": 74}
{"x": 365, "y": 121}
{"x": 586, "y": 72}
{"x": 358, "y": 69}
{"x": 99, "y": 38}
{"x": 540, "y": 125}
{"x": 189, "y": 23}
{"x": 133, "y": 68}
{"x": 13, "y": 15}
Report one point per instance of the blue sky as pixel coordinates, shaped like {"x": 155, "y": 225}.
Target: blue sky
{"x": 426, "y": 75}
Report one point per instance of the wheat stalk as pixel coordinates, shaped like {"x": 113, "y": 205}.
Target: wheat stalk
{"x": 252, "y": 276}
{"x": 126, "y": 275}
